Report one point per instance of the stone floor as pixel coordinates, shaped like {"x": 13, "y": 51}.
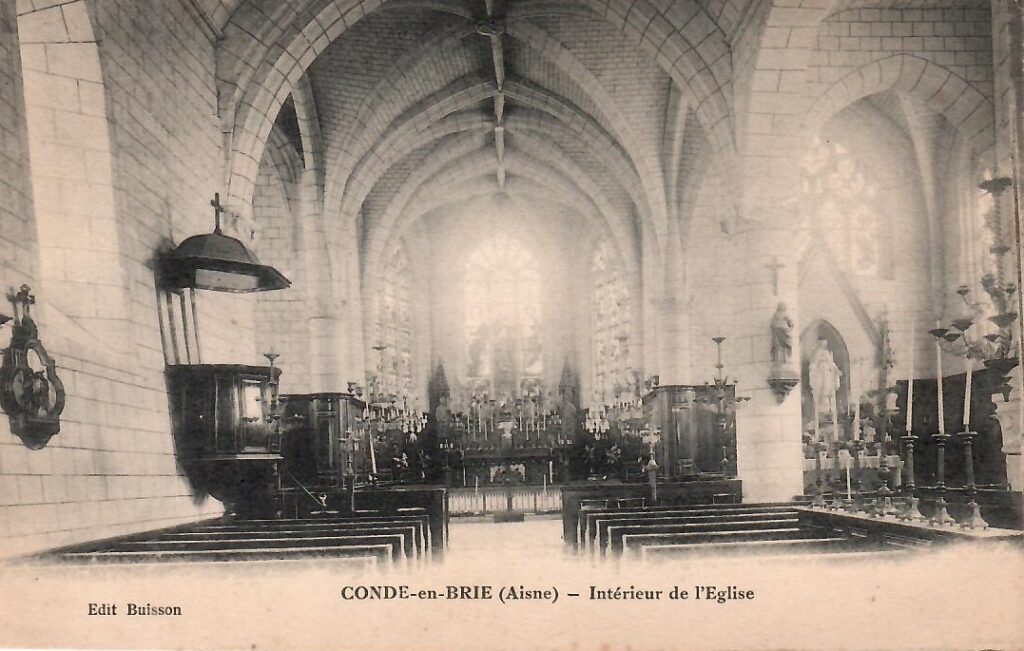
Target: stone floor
{"x": 800, "y": 602}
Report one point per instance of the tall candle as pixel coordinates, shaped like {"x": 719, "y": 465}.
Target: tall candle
{"x": 849, "y": 492}
{"x": 910, "y": 384}
{"x": 967, "y": 395}
{"x": 938, "y": 375}
{"x": 373, "y": 455}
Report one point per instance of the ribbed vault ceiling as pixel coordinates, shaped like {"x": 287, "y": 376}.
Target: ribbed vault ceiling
{"x": 407, "y": 106}
{"x": 424, "y": 105}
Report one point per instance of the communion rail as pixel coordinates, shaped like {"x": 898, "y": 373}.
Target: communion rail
{"x": 491, "y": 499}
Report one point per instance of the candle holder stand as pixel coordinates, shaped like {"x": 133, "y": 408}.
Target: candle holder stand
{"x": 973, "y": 518}
{"x": 818, "y": 499}
{"x": 856, "y": 503}
{"x": 883, "y": 504}
{"x": 837, "y": 483}
{"x": 911, "y": 508}
{"x": 941, "y": 515}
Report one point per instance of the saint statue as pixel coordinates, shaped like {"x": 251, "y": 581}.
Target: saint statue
{"x": 825, "y": 379}
{"x": 782, "y": 337}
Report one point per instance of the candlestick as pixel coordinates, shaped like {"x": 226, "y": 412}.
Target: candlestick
{"x": 973, "y": 517}
{"x": 910, "y": 383}
{"x": 837, "y": 501}
{"x": 910, "y": 509}
{"x": 938, "y": 377}
{"x": 941, "y": 516}
{"x": 967, "y": 393}
{"x": 835, "y": 423}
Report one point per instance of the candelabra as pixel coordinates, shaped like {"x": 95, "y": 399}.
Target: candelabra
{"x": 984, "y": 332}
{"x": 597, "y": 421}
{"x": 625, "y": 411}
{"x": 651, "y": 437}
{"x": 388, "y": 409}
{"x": 723, "y": 403}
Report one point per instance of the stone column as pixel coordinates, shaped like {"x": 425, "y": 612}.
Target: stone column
{"x": 1008, "y": 61}
{"x": 769, "y": 452}
{"x": 1011, "y": 417}
{"x": 672, "y": 341}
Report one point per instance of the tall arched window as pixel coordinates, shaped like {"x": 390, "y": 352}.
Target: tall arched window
{"x": 502, "y": 317}
{"x": 611, "y": 326}
{"x": 844, "y": 204}
{"x": 390, "y": 355}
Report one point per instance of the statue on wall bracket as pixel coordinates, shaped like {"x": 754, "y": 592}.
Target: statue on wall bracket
{"x": 783, "y": 376}
{"x": 31, "y": 393}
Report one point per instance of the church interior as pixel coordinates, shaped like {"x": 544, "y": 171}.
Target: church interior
{"x": 661, "y": 279}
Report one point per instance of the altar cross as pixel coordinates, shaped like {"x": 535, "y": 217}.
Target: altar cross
{"x": 774, "y": 267}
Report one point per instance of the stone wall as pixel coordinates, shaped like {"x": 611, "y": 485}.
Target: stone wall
{"x": 125, "y": 149}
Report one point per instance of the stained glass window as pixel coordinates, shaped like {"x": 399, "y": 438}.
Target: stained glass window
{"x": 611, "y": 308}
{"x": 845, "y": 207}
{"x": 391, "y": 338}
{"x": 503, "y": 316}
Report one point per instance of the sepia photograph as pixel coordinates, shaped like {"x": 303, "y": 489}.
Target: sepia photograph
{"x": 517, "y": 325}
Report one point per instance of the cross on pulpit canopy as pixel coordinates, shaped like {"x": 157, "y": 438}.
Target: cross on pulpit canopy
{"x": 217, "y": 210}
{"x": 774, "y": 267}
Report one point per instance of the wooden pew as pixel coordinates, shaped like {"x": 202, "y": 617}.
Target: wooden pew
{"x": 258, "y": 541}
{"x": 599, "y": 524}
{"x": 587, "y": 526}
{"x": 414, "y": 540}
{"x": 227, "y": 525}
{"x": 615, "y": 533}
{"x": 650, "y": 550}
{"x": 379, "y": 554}
{"x": 418, "y": 541}
{"x": 229, "y": 539}
{"x": 699, "y": 509}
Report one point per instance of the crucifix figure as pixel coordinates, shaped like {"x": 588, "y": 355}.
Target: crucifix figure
{"x": 774, "y": 267}
{"x": 217, "y": 210}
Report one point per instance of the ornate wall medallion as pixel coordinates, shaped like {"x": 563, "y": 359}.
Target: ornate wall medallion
{"x": 31, "y": 393}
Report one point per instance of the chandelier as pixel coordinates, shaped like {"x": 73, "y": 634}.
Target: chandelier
{"x": 388, "y": 405}
{"x": 625, "y": 409}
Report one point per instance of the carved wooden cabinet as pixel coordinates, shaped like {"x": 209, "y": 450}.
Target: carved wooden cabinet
{"x": 321, "y": 443}
{"x": 222, "y": 411}
{"x": 693, "y": 433}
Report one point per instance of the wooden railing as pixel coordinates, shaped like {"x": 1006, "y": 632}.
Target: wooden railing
{"x": 491, "y": 499}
